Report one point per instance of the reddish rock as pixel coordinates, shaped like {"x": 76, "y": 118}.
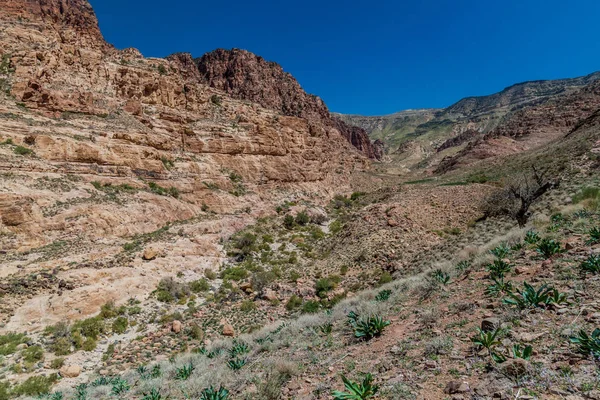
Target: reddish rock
{"x": 228, "y": 330}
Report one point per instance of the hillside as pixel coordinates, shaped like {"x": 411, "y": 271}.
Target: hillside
{"x": 202, "y": 228}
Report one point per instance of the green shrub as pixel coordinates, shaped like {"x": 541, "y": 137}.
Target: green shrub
{"x": 215, "y": 99}
{"x": 323, "y": 286}
{"x": 35, "y": 386}
{"x": 210, "y": 274}
{"x": 384, "y": 278}
{"x": 154, "y": 394}
{"x": 170, "y": 290}
{"x": 22, "y": 151}
{"x": 311, "y": 307}
{"x": 120, "y": 325}
{"x": 108, "y": 310}
{"x": 293, "y": 303}
{"x": 234, "y": 273}
{"x": 33, "y": 354}
{"x": 247, "y": 306}
{"x": 289, "y": 222}
{"x": 10, "y": 341}
{"x": 548, "y": 247}
{"x": 302, "y": 218}
{"x": 57, "y": 363}
{"x": 592, "y": 264}
{"x": 120, "y": 386}
{"x": 357, "y": 391}
{"x": 336, "y": 227}
{"x": 4, "y": 390}
{"x": 90, "y": 327}
{"x": 201, "y": 285}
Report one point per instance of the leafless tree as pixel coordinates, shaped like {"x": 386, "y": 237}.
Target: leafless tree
{"x": 515, "y": 199}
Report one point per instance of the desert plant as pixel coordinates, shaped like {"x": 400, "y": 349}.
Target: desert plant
{"x": 594, "y": 236}
{"x": 120, "y": 386}
{"x": 498, "y": 286}
{"x": 289, "y": 222}
{"x": 441, "y": 276}
{"x": 326, "y": 328}
{"x": 592, "y": 264}
{"x": 184, "y": 373}
{"x": 532, "y": 237}
{"x": 463, "y": 265}
{"x": 498, "y": 269}
{"x": 236, "y": 363}
{"x": 357, "y": 390}
{"x": 383, "y": 295}
{"x": 22, "y": 151}
{"x": 518, "y": 196}
{"x": 154, "y": 394}
{"x": 487, "y": 340}
{"x": 548, "y": 247}
{"x": 501, "y": 251}
{"x": 522, "y": 352}
{"x": 586, "y": 344}
{"x": 531, "y": 297}
{"x": 80, "y": 392}
{"x": 302, "y": 218}
{"x": 238, "y": 349}
{"x": 369, "y": 327}
{"x": 211, "y": 393}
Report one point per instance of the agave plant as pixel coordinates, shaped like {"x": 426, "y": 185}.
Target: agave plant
{"x": 184, "y": 373}
{"x": 501, "y": 251}
{"x": 522, "y": 352}
{"x": 594, "y": 236}
{"x": 326, "y": 328}
{"x": 211, "y": 393}
{"x": 238, "y": 349}
{"x": 80, "y": 392}
{"x": 441, "y": 276}
{"x": 548, "y": 247}
{"x": 236, "y": 363}
{"x": 532, "y": 237}
{"x": 498, "y": 268}
{"x": 357, "y": 391}
{"x": 487, "y": 339}
{"x": 463, "y": 265}
{"x": 531, "y": 297}
{"x": 120, "y": 386}
{"x": 592, "y": 264}
{"x": 154, "y": 394}
{"x": 586, "y": 344}
{"x": 383, "y": 295}
{"x": 369, "y": 327}
{"x": 498, "y": 286}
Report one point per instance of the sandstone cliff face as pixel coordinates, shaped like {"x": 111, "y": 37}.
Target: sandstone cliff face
{"x": 246, "y": 76}
{"x": 119, "y": 146}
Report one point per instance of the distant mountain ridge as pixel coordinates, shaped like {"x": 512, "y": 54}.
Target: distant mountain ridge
{"x": 512, "y": 113}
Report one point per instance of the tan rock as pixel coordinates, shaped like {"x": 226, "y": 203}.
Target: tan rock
{"x": 70, "y": 371}
{"x": 228, "y": 330}
{"x": 176, "y": 326}
{"x": 150, "y": 253}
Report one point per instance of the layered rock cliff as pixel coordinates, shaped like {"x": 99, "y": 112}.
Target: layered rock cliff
{"x": 102, "y": 147}
{"x": 246, "y": 76}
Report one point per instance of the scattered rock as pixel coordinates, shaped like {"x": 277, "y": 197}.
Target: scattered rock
{"x": 150, "y": 253}
{"x": 490, "y": 324}
{"x": 515, "y": 367}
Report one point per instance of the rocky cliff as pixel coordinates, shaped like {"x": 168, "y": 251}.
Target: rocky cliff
{"x": 246, "y": 76}
{"x": 102, "y": 147}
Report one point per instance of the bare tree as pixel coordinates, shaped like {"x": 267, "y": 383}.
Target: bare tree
{"x": 515, "y": 199}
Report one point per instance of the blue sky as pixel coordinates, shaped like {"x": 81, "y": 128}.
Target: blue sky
{"x": 376, "y": 57}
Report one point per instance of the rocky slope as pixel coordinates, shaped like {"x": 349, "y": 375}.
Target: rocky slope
{"x": 101, "y": 147}
{"x": 246, "y": 76}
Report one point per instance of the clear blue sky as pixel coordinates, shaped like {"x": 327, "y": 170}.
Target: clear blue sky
{"x": 380, "y": 56}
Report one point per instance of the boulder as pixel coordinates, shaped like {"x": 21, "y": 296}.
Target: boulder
{"x": 70, "y": 371}
{"x": 176, "y": 326}
{"x": 228, "y": 330}
{"x": 150, "y": 253}
{"x": 490, "y": 324}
